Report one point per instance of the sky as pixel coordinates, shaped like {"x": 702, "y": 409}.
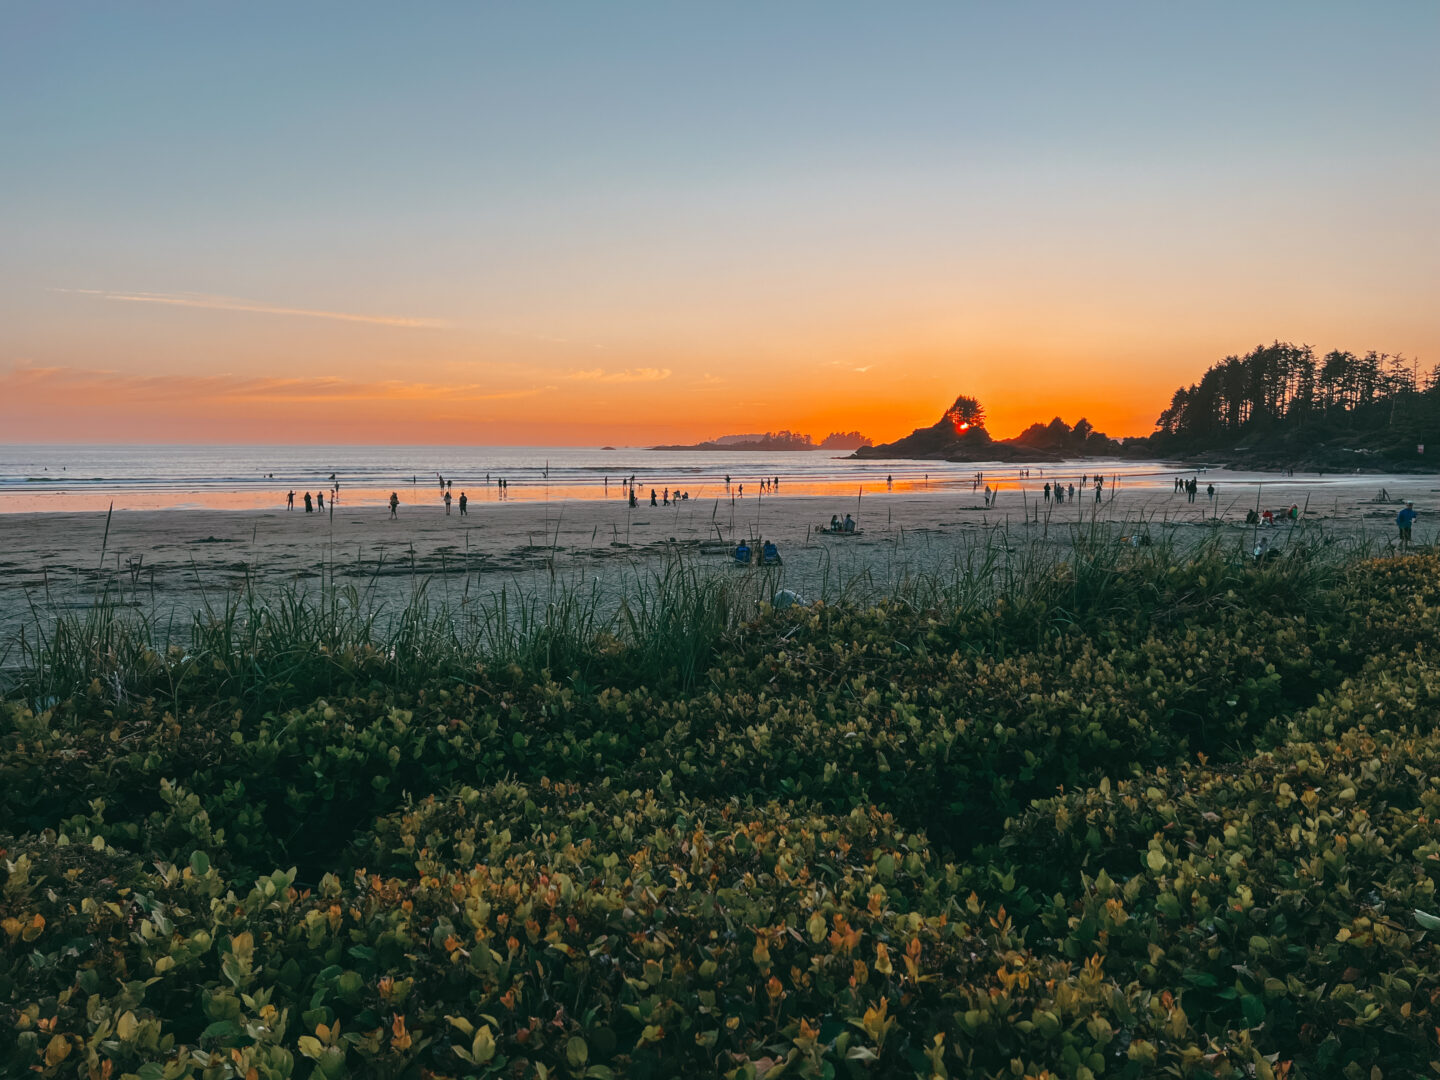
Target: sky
{"x": 623, "y": 223}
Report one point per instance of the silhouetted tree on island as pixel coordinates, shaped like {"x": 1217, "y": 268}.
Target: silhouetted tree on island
{"x": 964, "y": 414}
{"x": 1061, "y": 438}
{"x": 844, "y": 440}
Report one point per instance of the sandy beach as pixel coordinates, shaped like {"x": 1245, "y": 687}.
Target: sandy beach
{"x": 179, "y": 560}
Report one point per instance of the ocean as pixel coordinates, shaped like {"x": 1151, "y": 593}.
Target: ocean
{"x": 51, "y": 478}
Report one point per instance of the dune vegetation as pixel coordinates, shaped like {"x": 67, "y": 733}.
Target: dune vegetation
{"x": 1133, "y": 812}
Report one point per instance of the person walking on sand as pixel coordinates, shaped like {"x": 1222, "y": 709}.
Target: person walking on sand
{"x": 394, "y": 503}
{"x": 290, "y": 501}
{"x": 320, "y": 501}
{"x": 308, "y": 508}
{"x": 1405, "y": 520}
{"x": 463, "y": 501}
{"x": 652, "y": 497}
{"x": 447, "y": 502}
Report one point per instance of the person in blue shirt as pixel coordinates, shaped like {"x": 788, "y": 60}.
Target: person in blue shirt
{"x": 1405, "y": 519}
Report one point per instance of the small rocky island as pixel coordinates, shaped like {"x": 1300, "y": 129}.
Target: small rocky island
{"x": 778, "y": 441}
{"x": 960, "y": 435}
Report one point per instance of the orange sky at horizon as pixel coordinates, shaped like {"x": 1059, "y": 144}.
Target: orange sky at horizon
{"x": 415, "y": 381}
{"x": 884, "y": 398}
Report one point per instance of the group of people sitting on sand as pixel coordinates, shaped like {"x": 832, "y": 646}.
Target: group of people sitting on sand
{"x": 769, "y": 553}
{"x": 838, "y": 526}
{"x": 1269, "y": 517}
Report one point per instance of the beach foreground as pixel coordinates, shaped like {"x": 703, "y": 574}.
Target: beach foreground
{"x": 178, "y": 561}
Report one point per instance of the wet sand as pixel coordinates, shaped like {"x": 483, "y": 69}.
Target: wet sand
{"x": 179, "y": 560}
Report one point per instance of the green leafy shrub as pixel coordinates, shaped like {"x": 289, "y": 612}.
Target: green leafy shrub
{"x": 1146, "y": 817}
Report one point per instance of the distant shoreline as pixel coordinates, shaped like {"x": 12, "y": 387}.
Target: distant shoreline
{"x": 1352, "y": 463}
{"x": 745, "y": 448}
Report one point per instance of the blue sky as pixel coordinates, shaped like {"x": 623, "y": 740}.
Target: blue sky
{"x": 1083, "y": 198}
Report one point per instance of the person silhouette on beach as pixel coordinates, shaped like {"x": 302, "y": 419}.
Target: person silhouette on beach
{"x": 320, "y": 501}
{"x": 394, "y": 503}
{"x": 290, "y": 501}
{"x": 1405, "y": 521}
{"x": 633, "y": 503}
{"x": 447, "y": 502}
{"x": 652, "y": 497}
{"x": 463, "y": 501}
{"x": 308, "y": 508}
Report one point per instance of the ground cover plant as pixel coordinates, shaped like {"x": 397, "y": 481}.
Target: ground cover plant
{"x": 1140, "y": 812}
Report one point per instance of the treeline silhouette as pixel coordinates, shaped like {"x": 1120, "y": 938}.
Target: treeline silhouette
{"x": 1282, "y": 399}
{"x": 1284, "y": 383}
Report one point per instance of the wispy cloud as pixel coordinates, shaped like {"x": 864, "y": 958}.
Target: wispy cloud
{"x": 28, "y": 385}
{"x": 257, "y": 307}
{"x": 629, "y": 375}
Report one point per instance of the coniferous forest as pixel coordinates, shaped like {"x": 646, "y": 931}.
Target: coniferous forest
{"x": 1281, "y": 404}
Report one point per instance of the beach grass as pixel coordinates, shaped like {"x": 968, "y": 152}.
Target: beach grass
{"x": 660, "y": 620}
